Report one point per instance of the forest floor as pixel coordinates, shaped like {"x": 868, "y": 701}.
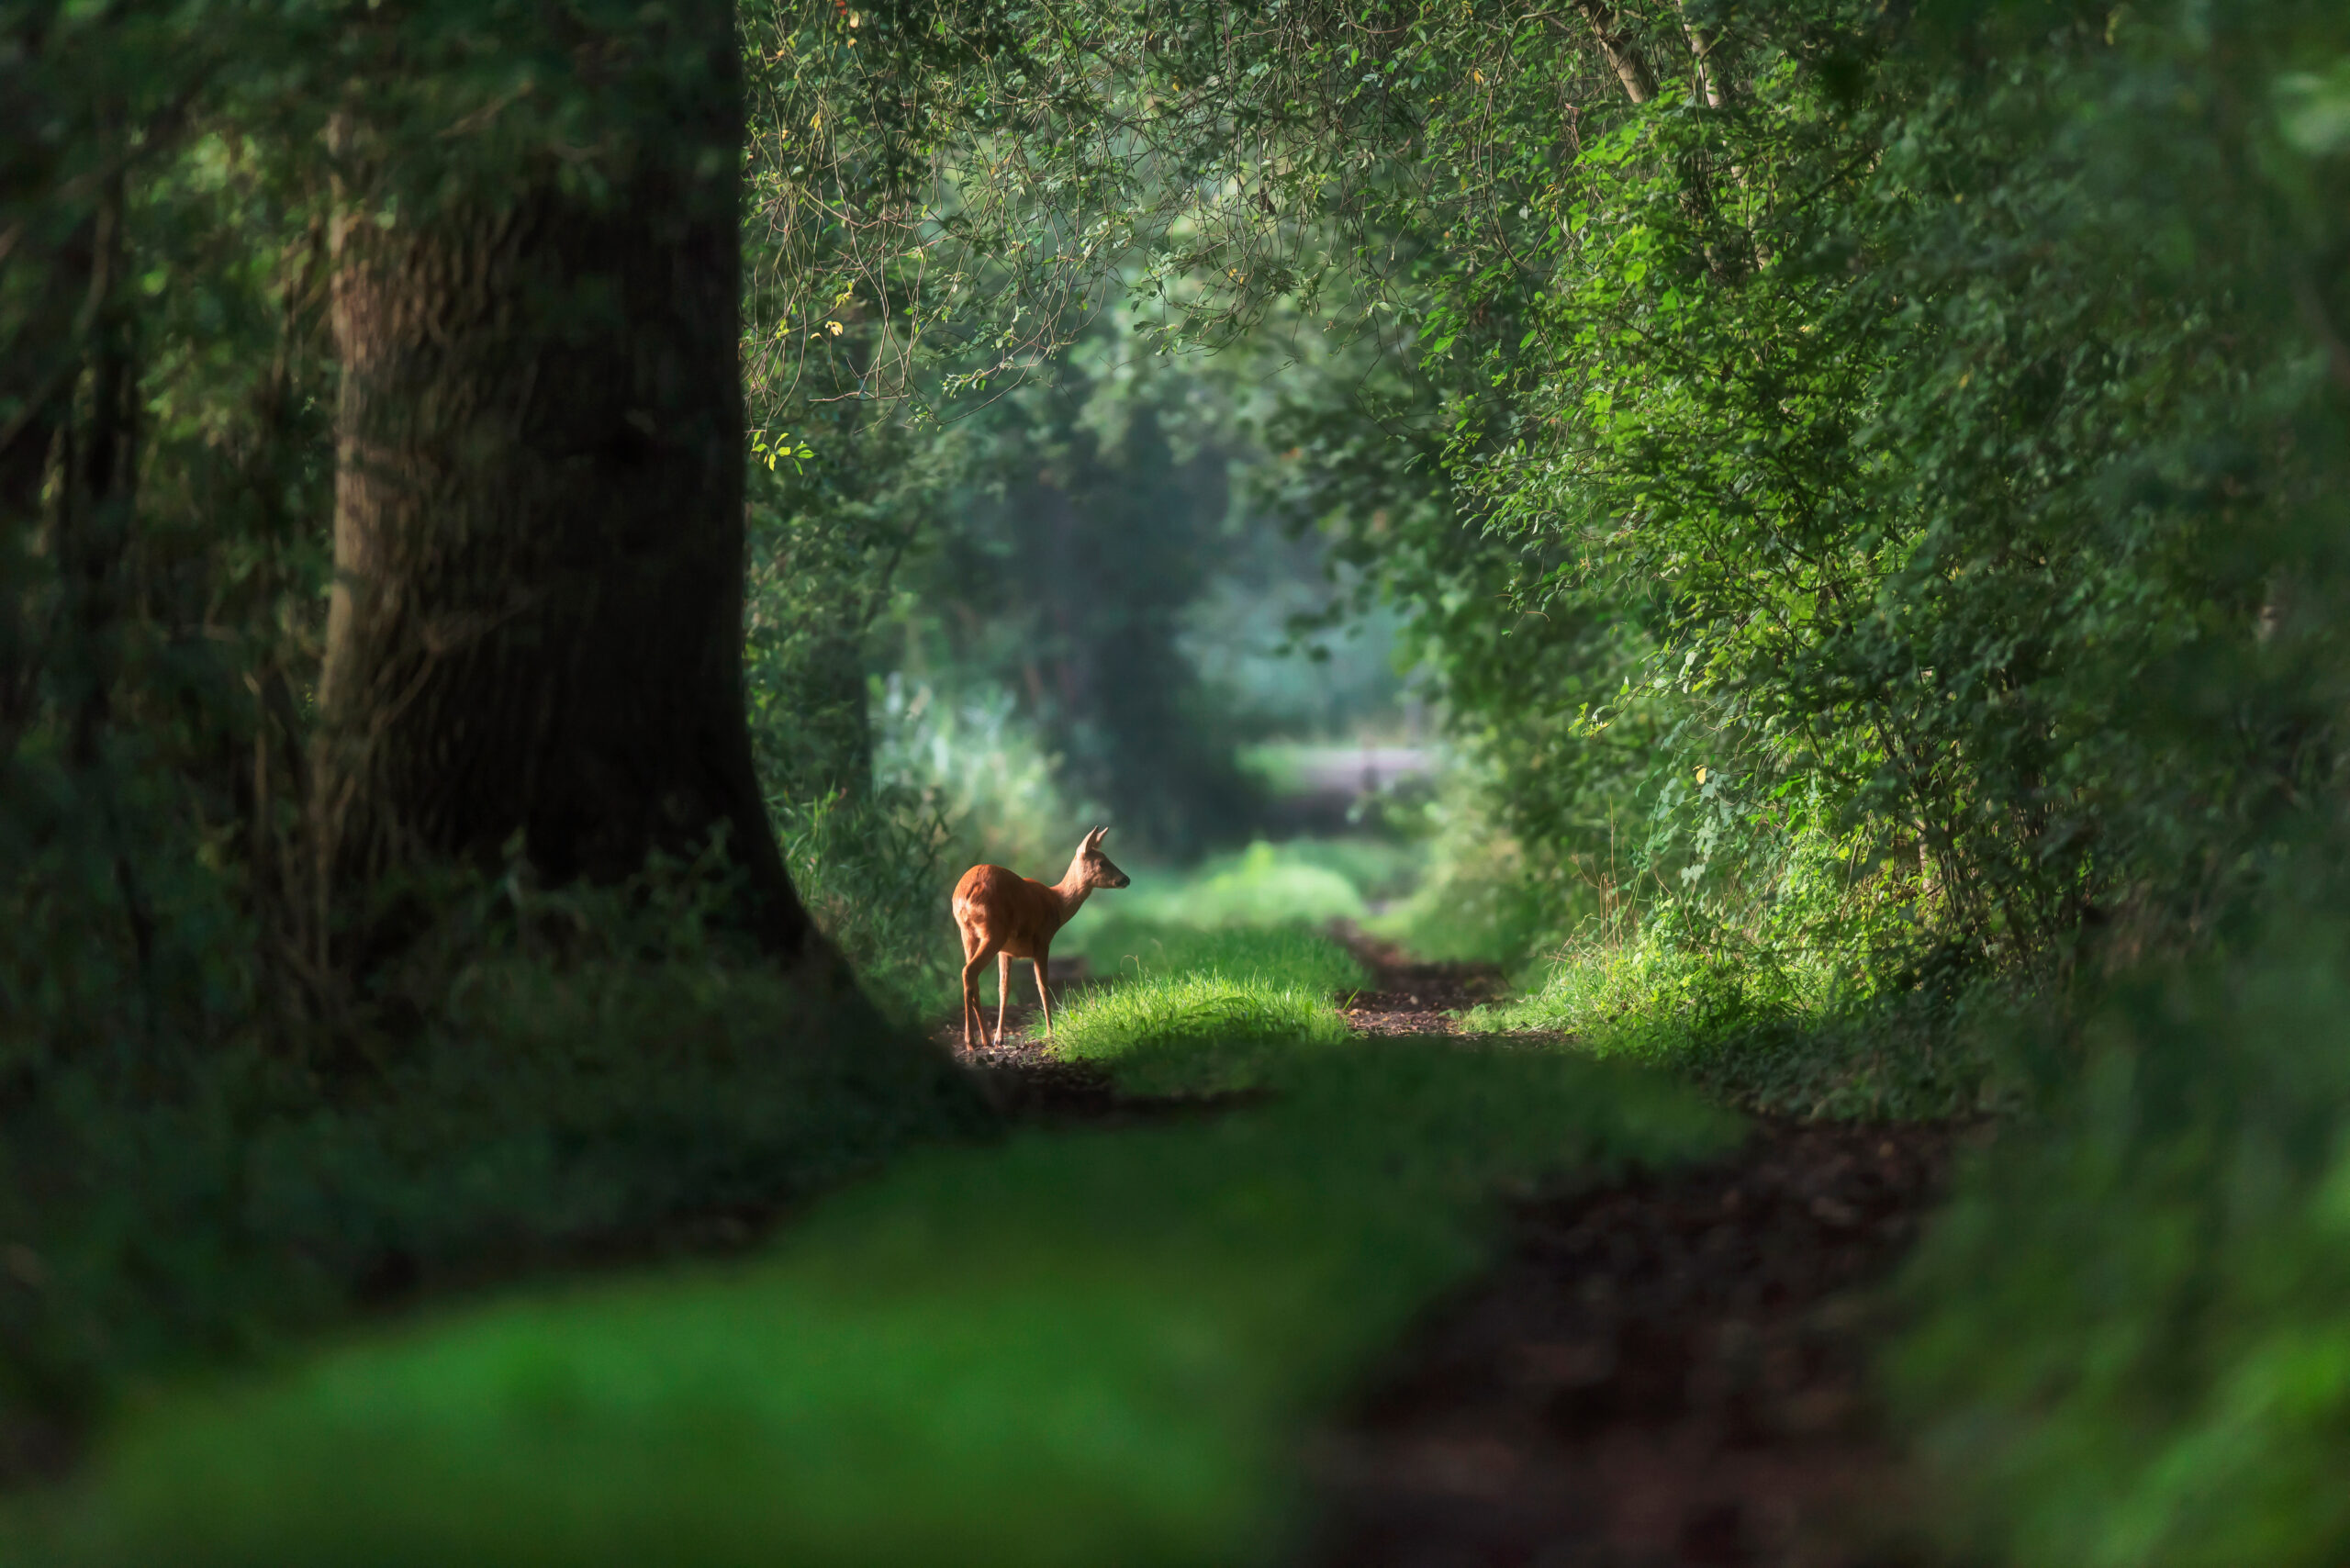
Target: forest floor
{"x": 1670, "y": 1371}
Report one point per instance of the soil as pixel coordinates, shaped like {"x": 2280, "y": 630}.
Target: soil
{"x": 1668, "y": 1372}
{"x": 1411, "y": 998}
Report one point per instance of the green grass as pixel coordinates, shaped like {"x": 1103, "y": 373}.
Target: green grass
{"x": 1290, "y": 956}
{"x": 1792, "y": 1037}
{"x": 1210, "y": 976}
{"x": 1189, "y": 1010}
{"x": 1067, "y": 1349}
{"x": 2129, "y": 1336}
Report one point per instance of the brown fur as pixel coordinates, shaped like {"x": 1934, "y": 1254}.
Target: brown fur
{"x": 1004, "y": 915}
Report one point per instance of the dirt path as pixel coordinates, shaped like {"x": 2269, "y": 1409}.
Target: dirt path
{"x": 1409, "y": 998}
{"x": 1664, "y": 1372}
{"x": 1669, "y": 1371}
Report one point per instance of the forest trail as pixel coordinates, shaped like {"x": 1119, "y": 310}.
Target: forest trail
{"x": 1669, "y": 1371}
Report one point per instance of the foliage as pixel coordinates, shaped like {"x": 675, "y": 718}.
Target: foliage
{"x": 876, "y": 873}
{"x": 1067, "y": 1348}
{"x": 1484, "y": 894}
{"x": 2131, "y": 1340}
{"x": 2140, "y": 1294}
{"x": 1092, "y": 523}
{"x": 1785, "y": 1033}
{"x": 972, "y": 762}
{"x": 1844, "y": 445}
{"x": 1265, "y": 884}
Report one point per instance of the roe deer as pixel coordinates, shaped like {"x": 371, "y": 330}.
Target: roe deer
{"x": 1004, "y": 915}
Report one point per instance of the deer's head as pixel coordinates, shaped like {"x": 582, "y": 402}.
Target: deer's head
{"x": 1091, "y": 868}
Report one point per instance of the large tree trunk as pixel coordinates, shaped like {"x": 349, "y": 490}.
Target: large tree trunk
{"x": 536, "y": 623}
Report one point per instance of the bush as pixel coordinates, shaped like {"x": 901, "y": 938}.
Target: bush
{"x": 877, "y": 874}
{"x": 971, "y": 761}
{"x": 1790, "y": 1033}
{"x": 1487, "y": 894}
{"x": 2132, "y": 1335}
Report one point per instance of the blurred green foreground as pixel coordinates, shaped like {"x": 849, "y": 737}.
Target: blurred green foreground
{"x": 1068, "y": 1346}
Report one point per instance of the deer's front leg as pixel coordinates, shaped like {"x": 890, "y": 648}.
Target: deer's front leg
{"x": 1044, "y": 993}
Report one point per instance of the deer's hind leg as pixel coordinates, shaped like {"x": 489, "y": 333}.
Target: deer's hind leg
{"x": 975, "y": 956}
{"x": 1044, "y": 996}
{"x": 1003, "y": 992}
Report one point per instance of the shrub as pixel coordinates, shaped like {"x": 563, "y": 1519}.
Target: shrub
{"x": 2132, "y": 1327}
{"x": 877, "y": 873}
{"x": 1792, "y": 1032}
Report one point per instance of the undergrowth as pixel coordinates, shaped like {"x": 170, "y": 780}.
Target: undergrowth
{"x": 874, "y": 870}
{"x": 544, "y": 1072}
{"x": 2131, "y": 1340}
{"x": 1788, "y": 1032}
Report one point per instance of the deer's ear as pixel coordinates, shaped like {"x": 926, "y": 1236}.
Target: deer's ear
{"x": 1093, "y": 839}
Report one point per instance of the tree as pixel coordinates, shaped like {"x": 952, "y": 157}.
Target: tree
{"x": 535, "y": 627}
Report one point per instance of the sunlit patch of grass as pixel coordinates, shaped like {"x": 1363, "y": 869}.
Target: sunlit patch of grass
{"x": 1787, "y": 1036}
{"x": 1190, "y": 1011}
{"x": 1288, "y": 956}
{"x": 1196, "y": 1034}
{"x": 1059, "y": 1351}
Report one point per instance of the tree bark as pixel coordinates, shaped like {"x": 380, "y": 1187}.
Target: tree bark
{"x": 1701, "y": 53}
{"x": 535, "y": 627}
{"x": 1622, "y": 53}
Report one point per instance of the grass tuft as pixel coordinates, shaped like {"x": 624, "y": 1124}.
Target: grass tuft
{"x": 1291, "y": 956}
{"x": 1192, "y": 1012}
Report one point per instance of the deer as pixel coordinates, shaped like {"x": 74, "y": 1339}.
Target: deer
{"x": 1004, "y": 915}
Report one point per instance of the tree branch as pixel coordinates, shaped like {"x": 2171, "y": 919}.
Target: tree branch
{"x": 1632, "y": 66}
